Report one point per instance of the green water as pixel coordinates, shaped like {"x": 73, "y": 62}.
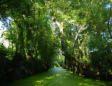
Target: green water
{"x": 58, "y": 77}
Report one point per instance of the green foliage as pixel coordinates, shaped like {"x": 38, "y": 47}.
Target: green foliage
{"x": 39, "y": 29}
{"x": 17, "y": 67}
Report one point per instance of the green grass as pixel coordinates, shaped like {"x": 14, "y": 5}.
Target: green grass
{"x": 58, "y": 77}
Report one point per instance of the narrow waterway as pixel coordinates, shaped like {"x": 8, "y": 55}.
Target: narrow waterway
{"x": 58, "y": 77}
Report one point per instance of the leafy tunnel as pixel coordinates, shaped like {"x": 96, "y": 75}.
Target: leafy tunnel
{"x": 39, "y": 36}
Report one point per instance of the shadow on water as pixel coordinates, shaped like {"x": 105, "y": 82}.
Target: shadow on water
{"x": 58, "y": 77}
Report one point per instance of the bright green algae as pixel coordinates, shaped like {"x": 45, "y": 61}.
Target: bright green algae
{"x": 58, "y": 77}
